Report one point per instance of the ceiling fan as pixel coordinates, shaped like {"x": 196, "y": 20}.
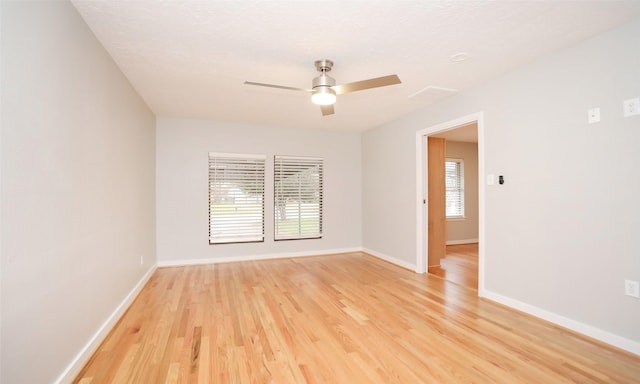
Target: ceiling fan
{"x": 324, "y": 89}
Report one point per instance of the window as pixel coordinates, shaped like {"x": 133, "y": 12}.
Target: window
{"x": 236, "y": 198}
{"x": 454, "y": 179}
{"x": 297, "y": 197}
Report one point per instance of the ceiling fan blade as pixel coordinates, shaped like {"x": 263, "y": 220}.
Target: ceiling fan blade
{"x": 277, "y": 86}
{"x": 366, "y": 84}
{"x": 327, "y": 109}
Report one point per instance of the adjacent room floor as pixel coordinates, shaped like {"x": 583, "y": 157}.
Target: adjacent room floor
{"x": 347, "y": 318}
{"x": 460, "y": 265}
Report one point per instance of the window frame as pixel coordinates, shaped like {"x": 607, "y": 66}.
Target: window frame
{"x": 253, "y": 204}
{"x": 313, "y": 209}
{"x": 459, "y": 189}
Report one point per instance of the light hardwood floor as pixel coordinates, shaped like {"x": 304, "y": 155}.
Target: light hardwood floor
{"x": 460, "y": 265}
{"x": 348, "y": 318}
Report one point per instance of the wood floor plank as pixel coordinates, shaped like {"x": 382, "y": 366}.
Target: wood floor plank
{"x": 347, "y": 318}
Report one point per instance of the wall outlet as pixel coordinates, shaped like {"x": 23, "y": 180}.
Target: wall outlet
{"x": 631, "y": 107}
{"x": 593, "y": 115}
{"x": 632, "y": 288}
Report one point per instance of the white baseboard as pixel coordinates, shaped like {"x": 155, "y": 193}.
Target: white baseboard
{"x": 392, "y": 260}
{"x": 92, "y": 345}
{"x": 576, "y": 326}
{"x": 227, "y": 259}
{"x": 464, "y": 241}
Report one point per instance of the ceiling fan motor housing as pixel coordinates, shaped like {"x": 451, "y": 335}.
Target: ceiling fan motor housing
{"x": 323, "y": 80}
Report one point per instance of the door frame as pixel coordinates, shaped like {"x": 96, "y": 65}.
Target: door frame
{"x": 422, "y": 183}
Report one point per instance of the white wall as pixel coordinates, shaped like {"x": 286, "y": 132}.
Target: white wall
{"x": 561, "y": 233}
{"x": 182, "y": 188}
{"x": 1, "y": 129}
{"x": 462, "y": 231}
{"x": 77, "y": 189}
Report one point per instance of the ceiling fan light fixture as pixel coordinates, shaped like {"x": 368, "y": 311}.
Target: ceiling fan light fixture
{"x": 323, "y": 95}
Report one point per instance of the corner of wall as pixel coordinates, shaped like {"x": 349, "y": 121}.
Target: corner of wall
{"x": 78, "y": 362}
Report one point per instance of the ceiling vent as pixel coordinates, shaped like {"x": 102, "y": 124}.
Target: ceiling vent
{"x": 432, "y": 94}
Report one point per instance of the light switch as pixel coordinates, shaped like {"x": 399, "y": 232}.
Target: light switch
{"x": 491, "y": 179}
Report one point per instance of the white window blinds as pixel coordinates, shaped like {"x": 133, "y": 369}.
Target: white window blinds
{"x": 454, "y": 179}
{"x": 297, "y": 197}
{"x": 236, "y": 198}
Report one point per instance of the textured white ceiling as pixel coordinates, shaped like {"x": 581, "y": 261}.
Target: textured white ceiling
{"x": 190, "y": 58}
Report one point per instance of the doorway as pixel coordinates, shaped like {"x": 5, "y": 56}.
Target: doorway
{"x": 457, "y": 130}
